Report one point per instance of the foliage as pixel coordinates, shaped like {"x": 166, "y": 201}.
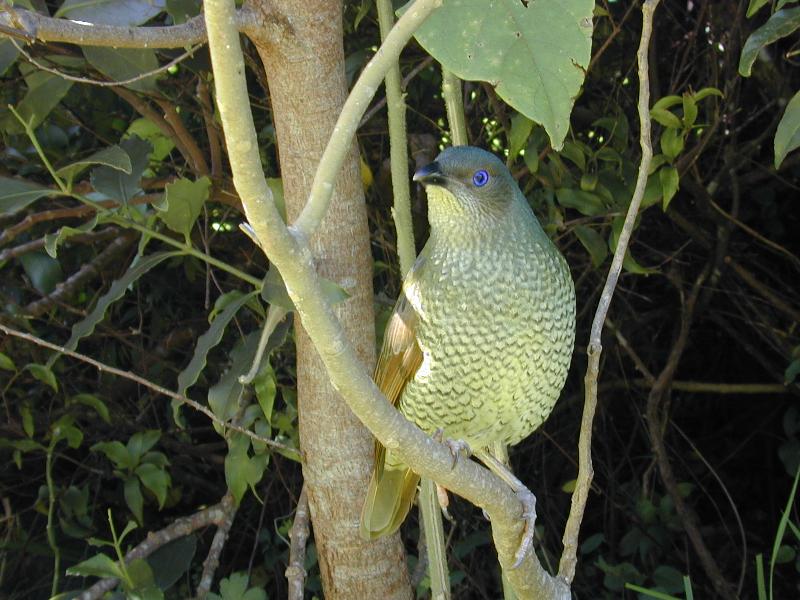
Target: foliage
{"x": 172, "y": 290}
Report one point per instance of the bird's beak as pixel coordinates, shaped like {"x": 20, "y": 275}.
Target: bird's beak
{"x": 430, "y": 174}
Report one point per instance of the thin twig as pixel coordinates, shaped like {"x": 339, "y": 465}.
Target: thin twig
{"x": 80, "y": 238}
{"x": 569, "y": 560}
{"x": 298, "y": 535}
{"x": 98, "y": 83}
{"x": 148, "y": 384}
{"x": 224, "y": 523}
{"x": 195, "y": 156}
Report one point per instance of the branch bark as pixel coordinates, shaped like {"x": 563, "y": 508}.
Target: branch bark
{"x": 569, "y": 560}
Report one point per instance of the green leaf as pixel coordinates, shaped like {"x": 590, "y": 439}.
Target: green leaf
{"x": 755, "y": 6}
{"x": 273, "y": 290}
{"x": 117, "y": 184}
{"x": 574, "y": 153}
{"x": 99, "y": 565}
{"x": 134, "y": 499}
{"x": 141, "y": 576}
{"x": 171, "y": 561}
{"x": 44, "y": 272}
{"x": 669, "y": 579}
{"x": 594, "y": 244}
{"x": 689, "y": 111}
{"x": 8, "y": 55}
{"x": 6, "y": 363}
{"x": 113, "y": 157}
{"x": 140, "y": 442}
{"x": 156, "y": 480}
{"x": 122, "y": 64}
{"x": 234, "y": 586}
{"x": 521, "y": 127}
{"x": 209, "y": 340}
{"x": 45, "y": 91}
{"x": 781, "y": 24}
{"x": 242, "y": 470}
{"x": 670, "y": 180}
{"x": 183, "y": 203}
{"x": 94, "y": 402}
{"x": 534, "y": 54}
{"x": 665, "y": 118}
{"x": 787, "y": 137}
{"x": 86, "y": 326}
{"x": 707, "y": 91}
{"x": 266, "y": 388}
{"x": 117, "y": 453}
{"x": 672, "y": 142}
{"x": 16, "y": 194}
{"x": 149, "y": 131}
{"x": 587, "y": 203}
{"x": 666, "y": 102}
{"x": 53, "y": 240}
{"x": 64, "y": 429}
{"x": 27, "y": 419}
{"x": 43, "y": 374}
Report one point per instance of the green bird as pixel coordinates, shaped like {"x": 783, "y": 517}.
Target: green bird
{"x": 480, "y": 340}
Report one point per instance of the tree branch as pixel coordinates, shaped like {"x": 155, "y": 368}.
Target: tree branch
{"x": 298, "y": 536}
{"x": 569, "y": 560}
{"x": 34, "y": 26}
{"x": 289, "y": 252}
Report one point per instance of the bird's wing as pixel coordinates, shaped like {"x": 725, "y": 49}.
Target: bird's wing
{"x": 400, "y": 355}
{"x": 392, "y": 486}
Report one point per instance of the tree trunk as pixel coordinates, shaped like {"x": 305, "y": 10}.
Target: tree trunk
{"x": 306, "y": 77}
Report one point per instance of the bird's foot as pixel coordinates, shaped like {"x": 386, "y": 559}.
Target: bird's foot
{"x": 529, "y": 516}
{"x": 456, "y": 447}
{"x": 444, "y": 501}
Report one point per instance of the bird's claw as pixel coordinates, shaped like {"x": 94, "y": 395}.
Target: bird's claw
{"x": 529, "y": 515}
{"x": 456, "y": 447}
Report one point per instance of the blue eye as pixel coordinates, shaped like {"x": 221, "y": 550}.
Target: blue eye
{"x": 480, "y": 178}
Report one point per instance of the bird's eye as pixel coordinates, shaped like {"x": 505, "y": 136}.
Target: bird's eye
{"x": 480, "y": 178}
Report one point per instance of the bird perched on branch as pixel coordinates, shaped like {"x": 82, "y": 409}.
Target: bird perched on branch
{"x": 480, "y": 340}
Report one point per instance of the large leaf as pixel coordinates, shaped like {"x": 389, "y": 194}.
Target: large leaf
{"x": 209, "y": 340}
{"x": 16, "y": 194}
{"x": 241, "y": 470}
{"x": 533, "y": 53}
{"x": 122, "y": 64}
{"x": 113, "y": 157}
{"x": 172, "y": 560}
{"x": 99, "y": 565}
{"x": 86, "y": 326}
{"x": 779, "y": 25}
{"x": 44, "y": 272}
{"x": 45, "y": 91}
{"x": 183, "y": 202}
{"x": 787, "y": 137}
{"x": 156, "y": 480}
{"x": 8, "y": 55}
{"x": 121, "y": 185}
{"x": 111, "y": 12}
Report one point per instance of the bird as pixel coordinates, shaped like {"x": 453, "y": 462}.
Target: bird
{"x": 480, "y": 340}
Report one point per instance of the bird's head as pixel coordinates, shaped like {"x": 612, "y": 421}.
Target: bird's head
{"x": 467, "y": 184}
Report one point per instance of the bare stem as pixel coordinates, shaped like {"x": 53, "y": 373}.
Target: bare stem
{"x": 569, "y": 561}
{"x": 454, "y": 103}
{"x": 298, "y": 536}
{"x": 398, "y": 149}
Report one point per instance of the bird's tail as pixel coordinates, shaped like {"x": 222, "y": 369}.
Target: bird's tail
{"x": 391, "y": 492}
